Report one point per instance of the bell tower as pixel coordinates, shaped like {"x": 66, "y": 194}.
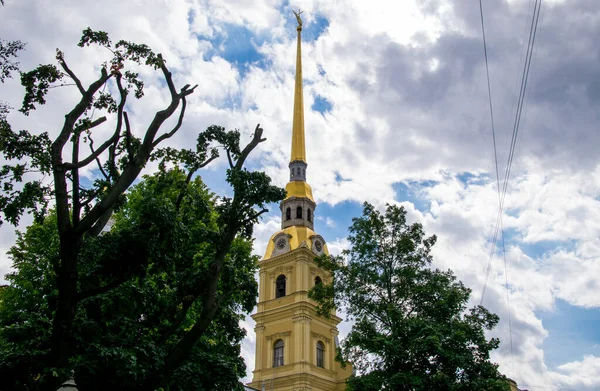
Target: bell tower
{"x": 295, "y": 348}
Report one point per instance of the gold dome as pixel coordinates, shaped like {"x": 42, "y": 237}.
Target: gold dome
{"x": 297, "y": 235}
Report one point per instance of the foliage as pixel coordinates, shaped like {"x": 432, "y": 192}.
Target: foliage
{"x": 13, "y": 202}
{"x": 8, "y": 50}
{"x": 163, "y": 252}
{"x": 40, "y": 171}
{"x": 412, "y": 329}
{"x": 32, "y": 196}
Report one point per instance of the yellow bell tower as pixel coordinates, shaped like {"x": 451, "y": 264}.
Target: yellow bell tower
{"x": 295, "y": 348}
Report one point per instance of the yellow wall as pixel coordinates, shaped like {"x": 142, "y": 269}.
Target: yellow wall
{"x": 294, "y": 320}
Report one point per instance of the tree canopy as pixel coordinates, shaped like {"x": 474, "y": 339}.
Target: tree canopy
{"x": 412, "y": 329}
{"x": 87, "y": 270}
{"x": 123, "y": 334}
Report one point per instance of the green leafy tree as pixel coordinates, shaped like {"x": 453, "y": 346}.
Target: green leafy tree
{"x": 8, "y": 51}
{"x": 123, "y": 335}
{"x": 412, "y": 329}
{"x": 81, "y": 212}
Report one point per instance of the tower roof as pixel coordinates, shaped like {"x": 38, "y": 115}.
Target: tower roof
{"x": 299, "y": 189}
{"x": 298, "y": 236}
{"x": 298, "y": 145}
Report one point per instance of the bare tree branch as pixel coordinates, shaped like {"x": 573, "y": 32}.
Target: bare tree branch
{"x": 90, "y": 125}
{"x": 64, "y": 66}
{"x": 60, "y": 180}
{"x": 62, "y": 85}
{"x": 256, "y": 139}
{"x": 229, "y": 158}
{"x": 168, "y": 76}
{"x": 128, "y": 137}
{"x": 114, "y": 138}
{"x": 97, "y": 159}
{"x": 75, "y": 181}
{"x": 189, "y": 178}
{"x": 90, "y": 199}
{"x": 133, "y": 168}
{"x": 97, "y": 228}
{"x": 176, "y": 128}
{"x": 254, "y": 216}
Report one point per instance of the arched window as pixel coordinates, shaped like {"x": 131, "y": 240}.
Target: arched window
{"x": 308, "y": 215}
{"x": 320, "y": 355}
{"x": 299, "y": 212}
{"x": 318, "y": 280}
{"x": 303, "y": 172}
{"x": 288, "y": 213}
{"x": 278, "y": 353}
{"x": 280, "y": 286}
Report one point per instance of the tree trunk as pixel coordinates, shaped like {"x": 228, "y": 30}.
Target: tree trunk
{"x": 66, "y": 281}
{"x": 210, "y": 307}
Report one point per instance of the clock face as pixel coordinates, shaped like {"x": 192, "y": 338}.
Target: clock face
{"x": 281, "y": 243}
{"x": 318, "y": 246}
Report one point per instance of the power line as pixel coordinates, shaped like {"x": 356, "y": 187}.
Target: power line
{"x": 487, "y": 72}
{"x": 541, "y": 24}
{"x": 502, "y": 197}
{"x": 523, "y": 88}
{"x": 524, "y": 80}
{"x": 517, "y": 122}
{"x": 499, "y": 228}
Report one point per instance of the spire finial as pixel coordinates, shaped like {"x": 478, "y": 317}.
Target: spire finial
{"x": 298, "y": 149}
{"x": 299, "y": 19}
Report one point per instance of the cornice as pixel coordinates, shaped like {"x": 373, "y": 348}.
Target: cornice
{"x": 282, "y": 258}
{"x": 297, "y": 307}
{"x": 321, "y": 337}
{"x": 279, "y": 335}
{"x": 320, "y": 378}
{"x": 301, "y": 319}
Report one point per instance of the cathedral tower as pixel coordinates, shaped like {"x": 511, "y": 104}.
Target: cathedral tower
{"x": 295, "y": 348}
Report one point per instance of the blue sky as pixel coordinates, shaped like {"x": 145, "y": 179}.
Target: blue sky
{"x": 396, "y": 112}
{"x": 573, "y": 331}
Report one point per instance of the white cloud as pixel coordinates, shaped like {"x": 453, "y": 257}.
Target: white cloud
{"x": 336, "y": 247}
{"x": 329, "y": 222}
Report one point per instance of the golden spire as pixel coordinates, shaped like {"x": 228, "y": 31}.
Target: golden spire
{"x": 298, "y": 146}
{"x": 297, "y": 186}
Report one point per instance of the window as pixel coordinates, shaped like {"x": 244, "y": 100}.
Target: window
{"x": 318, "y": 280}
{"x": 320, "y": 355}
{"x": 280, "y": 286}
{"x": 299, "y": 212}
{"x": 278, "y": 353}
{"x": 288, "y": 213}
{"x": 308, "y": 215}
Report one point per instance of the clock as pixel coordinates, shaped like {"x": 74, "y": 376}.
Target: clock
{"x": 281, "y": 243}
{"x": 318, "y": 246}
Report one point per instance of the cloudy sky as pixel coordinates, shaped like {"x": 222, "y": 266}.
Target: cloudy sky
{"x": 396, "y": 112}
